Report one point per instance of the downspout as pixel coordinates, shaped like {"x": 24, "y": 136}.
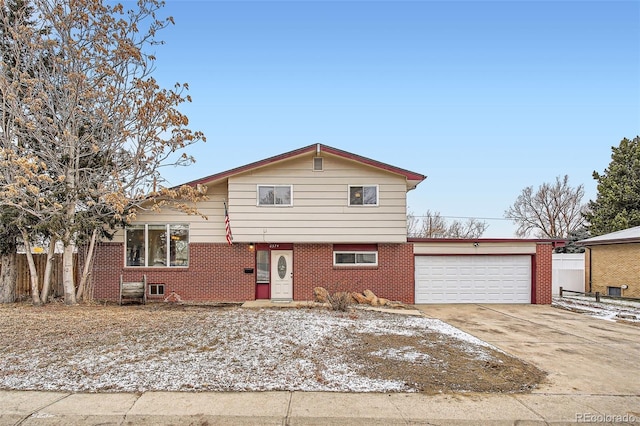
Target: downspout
{"x": 590, "y": 275}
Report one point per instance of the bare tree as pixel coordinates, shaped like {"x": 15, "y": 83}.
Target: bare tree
{"x": 433, "y": 225}
{"x": 98, "y": 125}
{"x": 553, "y": 211}
{"x": 14, "y": 12}
{"x": 471, "y": 228}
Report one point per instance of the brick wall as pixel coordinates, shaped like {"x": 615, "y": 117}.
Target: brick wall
{"x": 544, "y": 270}
{"x": 215, "y": 273}
{"x": 393, "y": 278}
{"x": 614, "y": 265}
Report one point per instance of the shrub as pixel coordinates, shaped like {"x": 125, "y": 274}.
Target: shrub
{"x": 340, "y": 300}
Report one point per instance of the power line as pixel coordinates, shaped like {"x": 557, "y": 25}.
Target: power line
{"x": 462, "y": 217}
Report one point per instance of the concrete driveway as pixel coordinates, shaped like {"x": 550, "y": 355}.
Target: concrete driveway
{"x": 583, "y": 355}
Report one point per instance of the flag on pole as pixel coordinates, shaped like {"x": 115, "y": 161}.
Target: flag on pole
{"x": 227, "y": 225}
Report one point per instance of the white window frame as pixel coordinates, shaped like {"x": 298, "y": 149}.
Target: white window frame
{"x": 274, "y": 198}
{"x": 363, "y": 187}
{"x": 157, "y": 287}
{"x": 145, "y": 260}
{"x": 355, "y": 253}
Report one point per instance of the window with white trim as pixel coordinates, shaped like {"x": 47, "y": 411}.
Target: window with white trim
{"x": 317, "y": 164}
{"x": 363, "y": 195}
{"x": 159, "y": 245}
{"x": 275, "y": 195}
{"x": 156, "y": 289}
{"x": 355, "y": 258}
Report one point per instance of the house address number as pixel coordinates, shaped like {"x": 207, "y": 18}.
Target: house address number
{"x": 272, "y": 246}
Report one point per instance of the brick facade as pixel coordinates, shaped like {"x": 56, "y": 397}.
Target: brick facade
{"x": 614, "y": 265}
{"x": 544, "y": 269}
{"x": 216, "y": 273}
{"x": 392, "y": 279}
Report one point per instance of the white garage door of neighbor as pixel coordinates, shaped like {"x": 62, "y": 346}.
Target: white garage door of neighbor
{"x": 473, "y": 279}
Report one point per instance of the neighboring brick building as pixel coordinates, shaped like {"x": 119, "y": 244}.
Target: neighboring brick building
{"x": 612, "y": 263}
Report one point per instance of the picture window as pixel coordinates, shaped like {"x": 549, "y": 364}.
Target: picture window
{"x": 157, "y": 245}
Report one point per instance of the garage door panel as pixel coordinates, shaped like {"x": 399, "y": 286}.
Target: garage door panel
{"x": 473, "y": 279}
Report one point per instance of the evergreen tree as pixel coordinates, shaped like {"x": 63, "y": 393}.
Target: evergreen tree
{"x": 617, "y": 205}
{"x": 572, "y": 238}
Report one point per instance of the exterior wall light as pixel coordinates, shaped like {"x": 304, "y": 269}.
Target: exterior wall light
{"x": 252, "y": 247}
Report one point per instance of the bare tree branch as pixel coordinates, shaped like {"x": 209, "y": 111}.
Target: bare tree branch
{"x": 433, "y": 225}
{"x": 553, "y": 211}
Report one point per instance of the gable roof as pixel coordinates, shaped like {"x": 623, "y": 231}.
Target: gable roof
{"x": 631, "y": 235}
{"x": 413, "y": 179}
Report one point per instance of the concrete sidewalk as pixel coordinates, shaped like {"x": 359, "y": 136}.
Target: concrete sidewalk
{"x": 310, "y": 408}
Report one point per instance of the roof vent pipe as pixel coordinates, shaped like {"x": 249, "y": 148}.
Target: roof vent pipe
{"x": 318, "y": 149}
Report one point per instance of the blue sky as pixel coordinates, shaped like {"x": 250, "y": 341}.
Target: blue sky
{"x": 485, "y": 98}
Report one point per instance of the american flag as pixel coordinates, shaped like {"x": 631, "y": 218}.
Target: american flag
{"x": 227, "y": 225}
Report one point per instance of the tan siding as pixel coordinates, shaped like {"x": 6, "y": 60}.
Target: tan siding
{"x": 201, "y": 230}
{"x": 320, "y": 211}
{"x": 468, "y": 248}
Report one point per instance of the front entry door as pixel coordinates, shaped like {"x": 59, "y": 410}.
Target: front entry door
{"x": 282, "y": 274}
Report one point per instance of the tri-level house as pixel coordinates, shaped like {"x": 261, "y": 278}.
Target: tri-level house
{"x": 315, "y": 216}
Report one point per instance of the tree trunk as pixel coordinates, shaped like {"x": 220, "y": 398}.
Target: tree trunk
{"x": 88, "y": 260}
{"x": 67, "y": 275}
{"x": 46, "y": 285}
{"x": 8, "y": 276}
{"x": 33, "y": 273}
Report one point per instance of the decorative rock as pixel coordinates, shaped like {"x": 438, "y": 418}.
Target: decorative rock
{"x": 359, "y": 298}
{"x": 320, "y": 295}
{"x": 372, "y": 299}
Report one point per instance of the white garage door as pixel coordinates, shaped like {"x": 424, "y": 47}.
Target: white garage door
{"x": 473, "y": 279}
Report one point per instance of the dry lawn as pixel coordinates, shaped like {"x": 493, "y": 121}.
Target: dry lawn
{"x": 169, "y": 347}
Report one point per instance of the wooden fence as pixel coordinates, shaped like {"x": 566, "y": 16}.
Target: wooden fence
{"x": 23, "y": 283}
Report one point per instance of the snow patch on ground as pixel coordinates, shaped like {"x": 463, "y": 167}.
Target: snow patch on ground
{"x": 406, "y": 353}
{"x": 240, "y": 350}
{"x": 606, "y": 309}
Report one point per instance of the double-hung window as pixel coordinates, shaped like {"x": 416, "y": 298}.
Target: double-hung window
{"x": 363, "y": 195}
{"x": 275, "y": 195}
{"x": 161, "y": 245}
